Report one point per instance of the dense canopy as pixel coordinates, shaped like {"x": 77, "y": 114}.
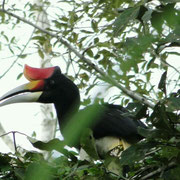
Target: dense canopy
{"x": 120, "y": 52}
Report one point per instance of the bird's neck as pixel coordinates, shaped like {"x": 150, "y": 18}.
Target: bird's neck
{"x": 66, "y": 111}
{"x": 67, "y": 102}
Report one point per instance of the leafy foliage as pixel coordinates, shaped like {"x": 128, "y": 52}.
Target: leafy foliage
{"x": 129, "y": 40}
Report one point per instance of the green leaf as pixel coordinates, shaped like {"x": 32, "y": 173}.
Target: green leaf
{"x": 90, "y": 53}
{"x": 173, "y": 103}
{"x": 113, "y": 165}
{"x": 32, "y": 155}
{"x": 142, "y": 12}
{"x": 87, "y": 32}
{"x": 96, "y": 40}
{"x": 147, "y": 15}
{"x": 20, "y": 173}
{"x": 54, "y": 144}
{"x": 41, "y": 54}
{"x": 84, "y": 76}
{"x": 162, "y": 83}
{"x": 177, "y": 31}
{"x": 94, "y": 25}
{"x": 88, "y": 144}
{"x": 38, "y": 170}
{"x": 154, "y": 133}
{"x": 172, "y": 174}
{"x": 159, "y": 117}
{"x": 157, "y": 21}
{"x": 65, "y": 19}
{"x": 135, "y": 153}
{"x": 19, "y": 76}
{"x": 2, "y": 15}
{"x": 11, "y": 49}
{"x": 72, "y": 17}
{"x": 40, "y": 38}
{"x": 139, "y": 110}
{"x": 169, "y": 152}
{"x": 6, "y": 38}
{"x": 4, "y": 160}
{"x": 12, "y": 39}
{"x": 151, "y": 63}
{"x": 22, "y": 56}
{"x": 124, "y": 18}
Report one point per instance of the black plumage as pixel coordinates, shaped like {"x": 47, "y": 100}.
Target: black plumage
{"x": 116, "y": 121}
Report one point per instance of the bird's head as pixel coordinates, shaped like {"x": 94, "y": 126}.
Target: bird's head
{"x": 46, "y": 85}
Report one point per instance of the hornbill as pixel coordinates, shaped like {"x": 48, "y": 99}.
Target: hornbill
{"x": 111, "y": 128}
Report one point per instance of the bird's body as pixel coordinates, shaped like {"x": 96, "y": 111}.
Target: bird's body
{"x": 49, "y": 85}
{"x": 116, "y": 121}
{"x": 112, "y": 126}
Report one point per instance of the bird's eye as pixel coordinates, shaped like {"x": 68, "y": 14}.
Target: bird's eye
{"x": 51, "y": 84}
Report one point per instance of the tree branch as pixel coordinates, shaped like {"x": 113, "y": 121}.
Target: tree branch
{"x": 105, "y": 76}
{"x": 158, "y": 171}
{"x": 3, "y": 4}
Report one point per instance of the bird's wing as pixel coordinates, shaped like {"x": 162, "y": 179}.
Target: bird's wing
{"x": 116, "y": 121}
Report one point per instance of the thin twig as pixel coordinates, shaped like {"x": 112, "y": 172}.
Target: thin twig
{"x": 5, "y": 134}
{"x": 3, "y": 4}
{"x": 158, "y": 171}
{"x": 169, "y": 65}
{"x": 14, "y": 140}
{"x": 105, "y": 76}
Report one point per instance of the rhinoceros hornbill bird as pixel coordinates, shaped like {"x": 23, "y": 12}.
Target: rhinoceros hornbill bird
{"x": 111, "y": 127}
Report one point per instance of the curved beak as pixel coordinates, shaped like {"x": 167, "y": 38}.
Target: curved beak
{"x": 31, "y": 91}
